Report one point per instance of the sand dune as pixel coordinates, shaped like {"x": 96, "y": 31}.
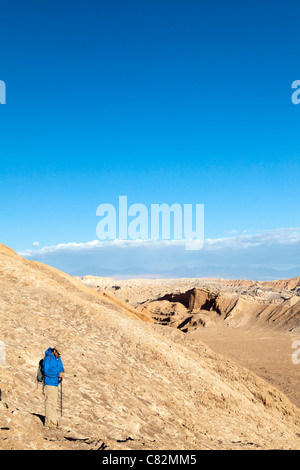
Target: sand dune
{"x": 129, "y": 384}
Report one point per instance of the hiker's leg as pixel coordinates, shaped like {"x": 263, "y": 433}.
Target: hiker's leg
{"x": 51, "y": 396}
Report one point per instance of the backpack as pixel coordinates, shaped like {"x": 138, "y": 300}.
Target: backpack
{"x": 40, "y": 377}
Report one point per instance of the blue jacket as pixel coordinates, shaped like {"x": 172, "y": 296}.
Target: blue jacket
{"x": 52, "y": 367}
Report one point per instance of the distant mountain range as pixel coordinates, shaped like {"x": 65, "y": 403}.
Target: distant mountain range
{"x": 239, "y": 272}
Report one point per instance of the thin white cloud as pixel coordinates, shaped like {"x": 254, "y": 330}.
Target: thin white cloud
{"x": 98, "y": 244}
{"x": 285, "y": 236}
{"x": 281, "y": 236}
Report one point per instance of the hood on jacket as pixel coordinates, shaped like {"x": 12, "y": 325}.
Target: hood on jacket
{"x": 49, "y": 352}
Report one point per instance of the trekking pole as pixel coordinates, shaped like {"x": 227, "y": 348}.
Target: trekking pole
{"x": 61, "y": 402}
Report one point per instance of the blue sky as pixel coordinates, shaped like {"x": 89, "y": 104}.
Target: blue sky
{"x": 163, "y": 101}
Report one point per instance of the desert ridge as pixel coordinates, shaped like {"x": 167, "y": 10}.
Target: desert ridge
{"x": 254, "y": 323}
{"x": 273, "y": 305}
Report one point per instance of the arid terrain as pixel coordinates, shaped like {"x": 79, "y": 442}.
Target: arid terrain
{"x": 253, "y": 323}
{"x": 145, "y": 363}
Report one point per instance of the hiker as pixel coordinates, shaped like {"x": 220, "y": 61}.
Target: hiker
{"x": 53, "y": 371}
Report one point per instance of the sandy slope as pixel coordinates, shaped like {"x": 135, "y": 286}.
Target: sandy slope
{"x": 129, "y": 384}
{"x": 256, "y": 324}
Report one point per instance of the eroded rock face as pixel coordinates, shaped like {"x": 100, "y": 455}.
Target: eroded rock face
{"x": 236, "y": 303}
{"x": 195, "y": 299}
{"x": 129, "y": 384}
